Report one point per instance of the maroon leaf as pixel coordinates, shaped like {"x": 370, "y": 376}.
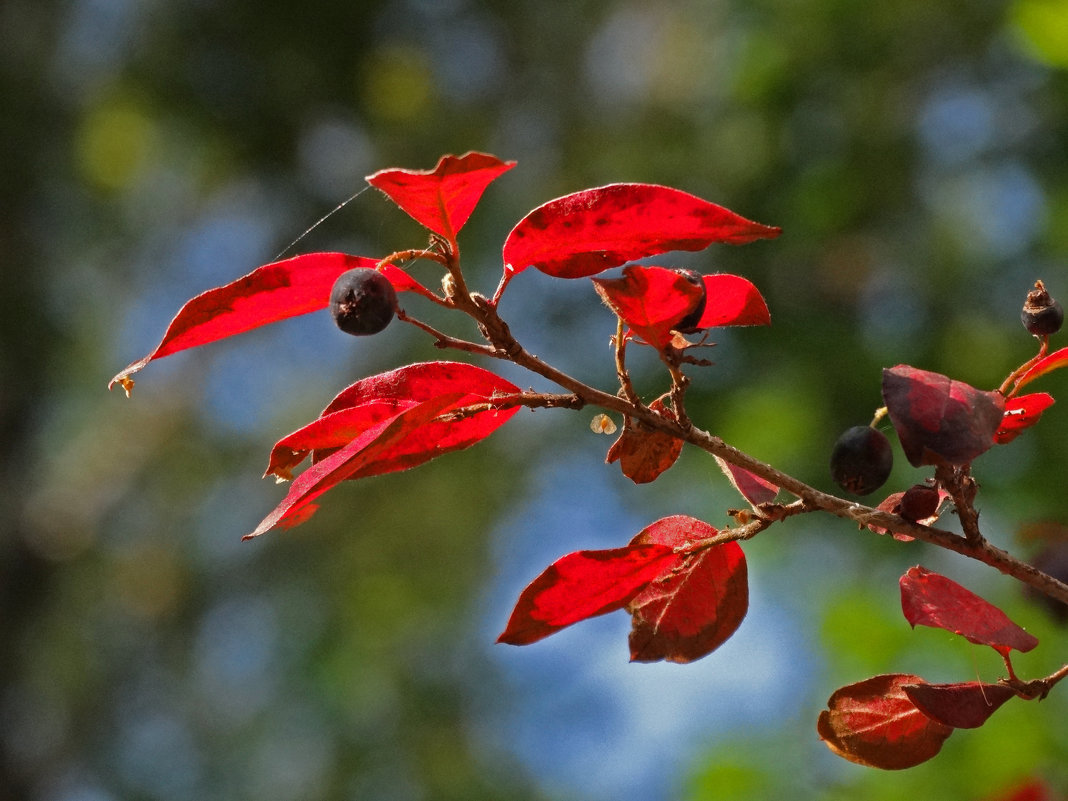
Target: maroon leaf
{"x": 442, "y": 199}
{"x": 696, "y": 605}
{"x": 644, "y": 453}
{"x": 732, "y": 300}
{"x": 752, "y": 487}
{"x": 1054, "y": 361}
{"x": 1021, "y": 413}
{"x": 938, "y": 419}
{"x": 963, "y": 706}
{"x": 594, "y": 230}
{"x": 874, "y": 723}
{"x": 652, "y": 301}
{"x": 581, "y": 585}
{"x": 930, "y": 599}
{"x": 269, "y": 293}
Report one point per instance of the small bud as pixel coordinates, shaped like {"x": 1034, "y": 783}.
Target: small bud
{"x": 1041, "y": 314}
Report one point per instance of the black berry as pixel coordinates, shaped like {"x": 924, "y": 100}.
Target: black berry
{"x": 362, "y": 301}
{"x": 861, "y": 460}
{"x": 688, "y": 324}
{"x": 1041, "y": 314}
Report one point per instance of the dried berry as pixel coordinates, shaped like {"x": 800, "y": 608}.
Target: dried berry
{"x": 861, "y": 460}
{"x": 362, "y": 301}
{"x": 918, "y": 502}
{"x": 688, "y": 324}
{"x": 1041, "y": 314}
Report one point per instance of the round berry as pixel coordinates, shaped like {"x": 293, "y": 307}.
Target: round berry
{"x": 919, "y": 502}
{"x": 363, "y": 301}
{"x": 861, "y": 460}
{"x": 1041, "y": 314}
{"x": 688, "y": 324}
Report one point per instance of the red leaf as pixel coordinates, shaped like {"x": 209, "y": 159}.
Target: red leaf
{"x": 442, "y": 199}
{"x": 753, "y": 488}
{"x": 1030, "y": 790}
{"x": 695, "y": 606}
{"x": 930, "y": 599}
{"x": 594, "y": 230}
{"x": 963, "y": 706}
{"x": 644, "y": 453}
{"x": 581, "y": 585}
{"x": 938, "y": 419}
{"x": 874, "y": 723}
{"x": 651, "y": 300}
{"x": 1054, "y": 361}
{"x": 372, "y": 399}
{"x": 1021, "y": 413}
{"x": 364, "y": 450}
{"x": 895, "y": 504}
{"x": 269, "y": 293}
{"x": 732, "y": 300}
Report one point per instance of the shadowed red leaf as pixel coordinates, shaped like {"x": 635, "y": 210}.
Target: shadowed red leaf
{"x": 963, "y": 706}
{"x": 930, "y": 599}
{"x": 695, "y": 606}
{"x": 581, "y": 585}
{"x": 752, "y": 487}
{"x": 644, "y": 453}
{"x": 596, "y": 229}
{"x": 732, "y": 300}
{"x": 652, "y": 301}
{"x": 1054, "y": 361}
{"x": 442, "y": 199}
{"x": 940, "y": 419}
{"x": 1021, "y": 413}
{"x": 874, "y": 723}
{"x": 269, "y": 293}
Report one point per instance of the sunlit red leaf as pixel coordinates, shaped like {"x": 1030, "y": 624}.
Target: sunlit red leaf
{"x": 442, "y": 199}
{"x": 963, "y": 706}
{"x": 939, "y": 419}
{"x": 372, "y": 399}
{"x": 1021, "y": 413}
{"x": 696, "y": 605}
{"x": 269, "y": 293}
{"x": 732, "y": 300}
{"x": 596, "y": 229}
{"x": 644, "y": 453}
{"x": 930, "y": 599}
{"x": 1054, "y": 361}
{"x": 874, "y": 723}
{"x": 652, "y": 301}
{"x": 752, "y": 487}
{"x": 364, "y": 450}
{"x": 581, "y": 585}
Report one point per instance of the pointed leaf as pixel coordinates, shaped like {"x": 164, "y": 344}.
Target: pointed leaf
{"x": 594, "y": 230}
{"x": 269, "y": 293}
{"x": 695, "y": 606}
{"x": 930, "y": 599}
{"x": 1021, "y": 413}
{"x": 644, "y": 453}
{"x": 732, "y": 300}
{"x": 652, "y": 301}
{"x": 752, "y": 487}
{"x": 938, "y": 419}
{"x": 442, "y": 199}
{"x": 874, "y": 723}
{"x": 581, "y": 585}
{"x": 963, "y": 706}
{"x": 1054, "y": 361}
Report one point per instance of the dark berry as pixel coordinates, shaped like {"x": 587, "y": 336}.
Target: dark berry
{"x": 688, "y": 324}
{"x": 919, "y": 502}
{"x": 861, "y": 460}
{"x": 362, "y": 301}
{"x": 1041, "y": 314}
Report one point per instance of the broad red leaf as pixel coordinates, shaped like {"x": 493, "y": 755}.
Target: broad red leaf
{"x": 296, "y": 507}
{"x": 596, "y": 229}
{"x": 269, "y": 293}
{"x": 644, "y": 453}
{"x": 695, "y": 606}
{"x": 652, "y": 301}
{"x": 372, "y": 399}
{"x": 442, "y": 199}
{"x": 581, "y": 585}
{"x": 732, "y": 300}
{"x": 930, "y": 599}
{"x": 1021, "y": 413}
{"x": 1054, "y": 361}
{"x": 752, "y": 487}
{"x": 963, "y": 706}
{"x": 938, "y": 419}
{"x": 874, "y": 723}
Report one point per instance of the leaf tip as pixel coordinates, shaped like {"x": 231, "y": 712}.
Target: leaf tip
{"x": 123, "y": 380}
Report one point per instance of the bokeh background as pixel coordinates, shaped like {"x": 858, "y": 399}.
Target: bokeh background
{"x": 916, "y": 154}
